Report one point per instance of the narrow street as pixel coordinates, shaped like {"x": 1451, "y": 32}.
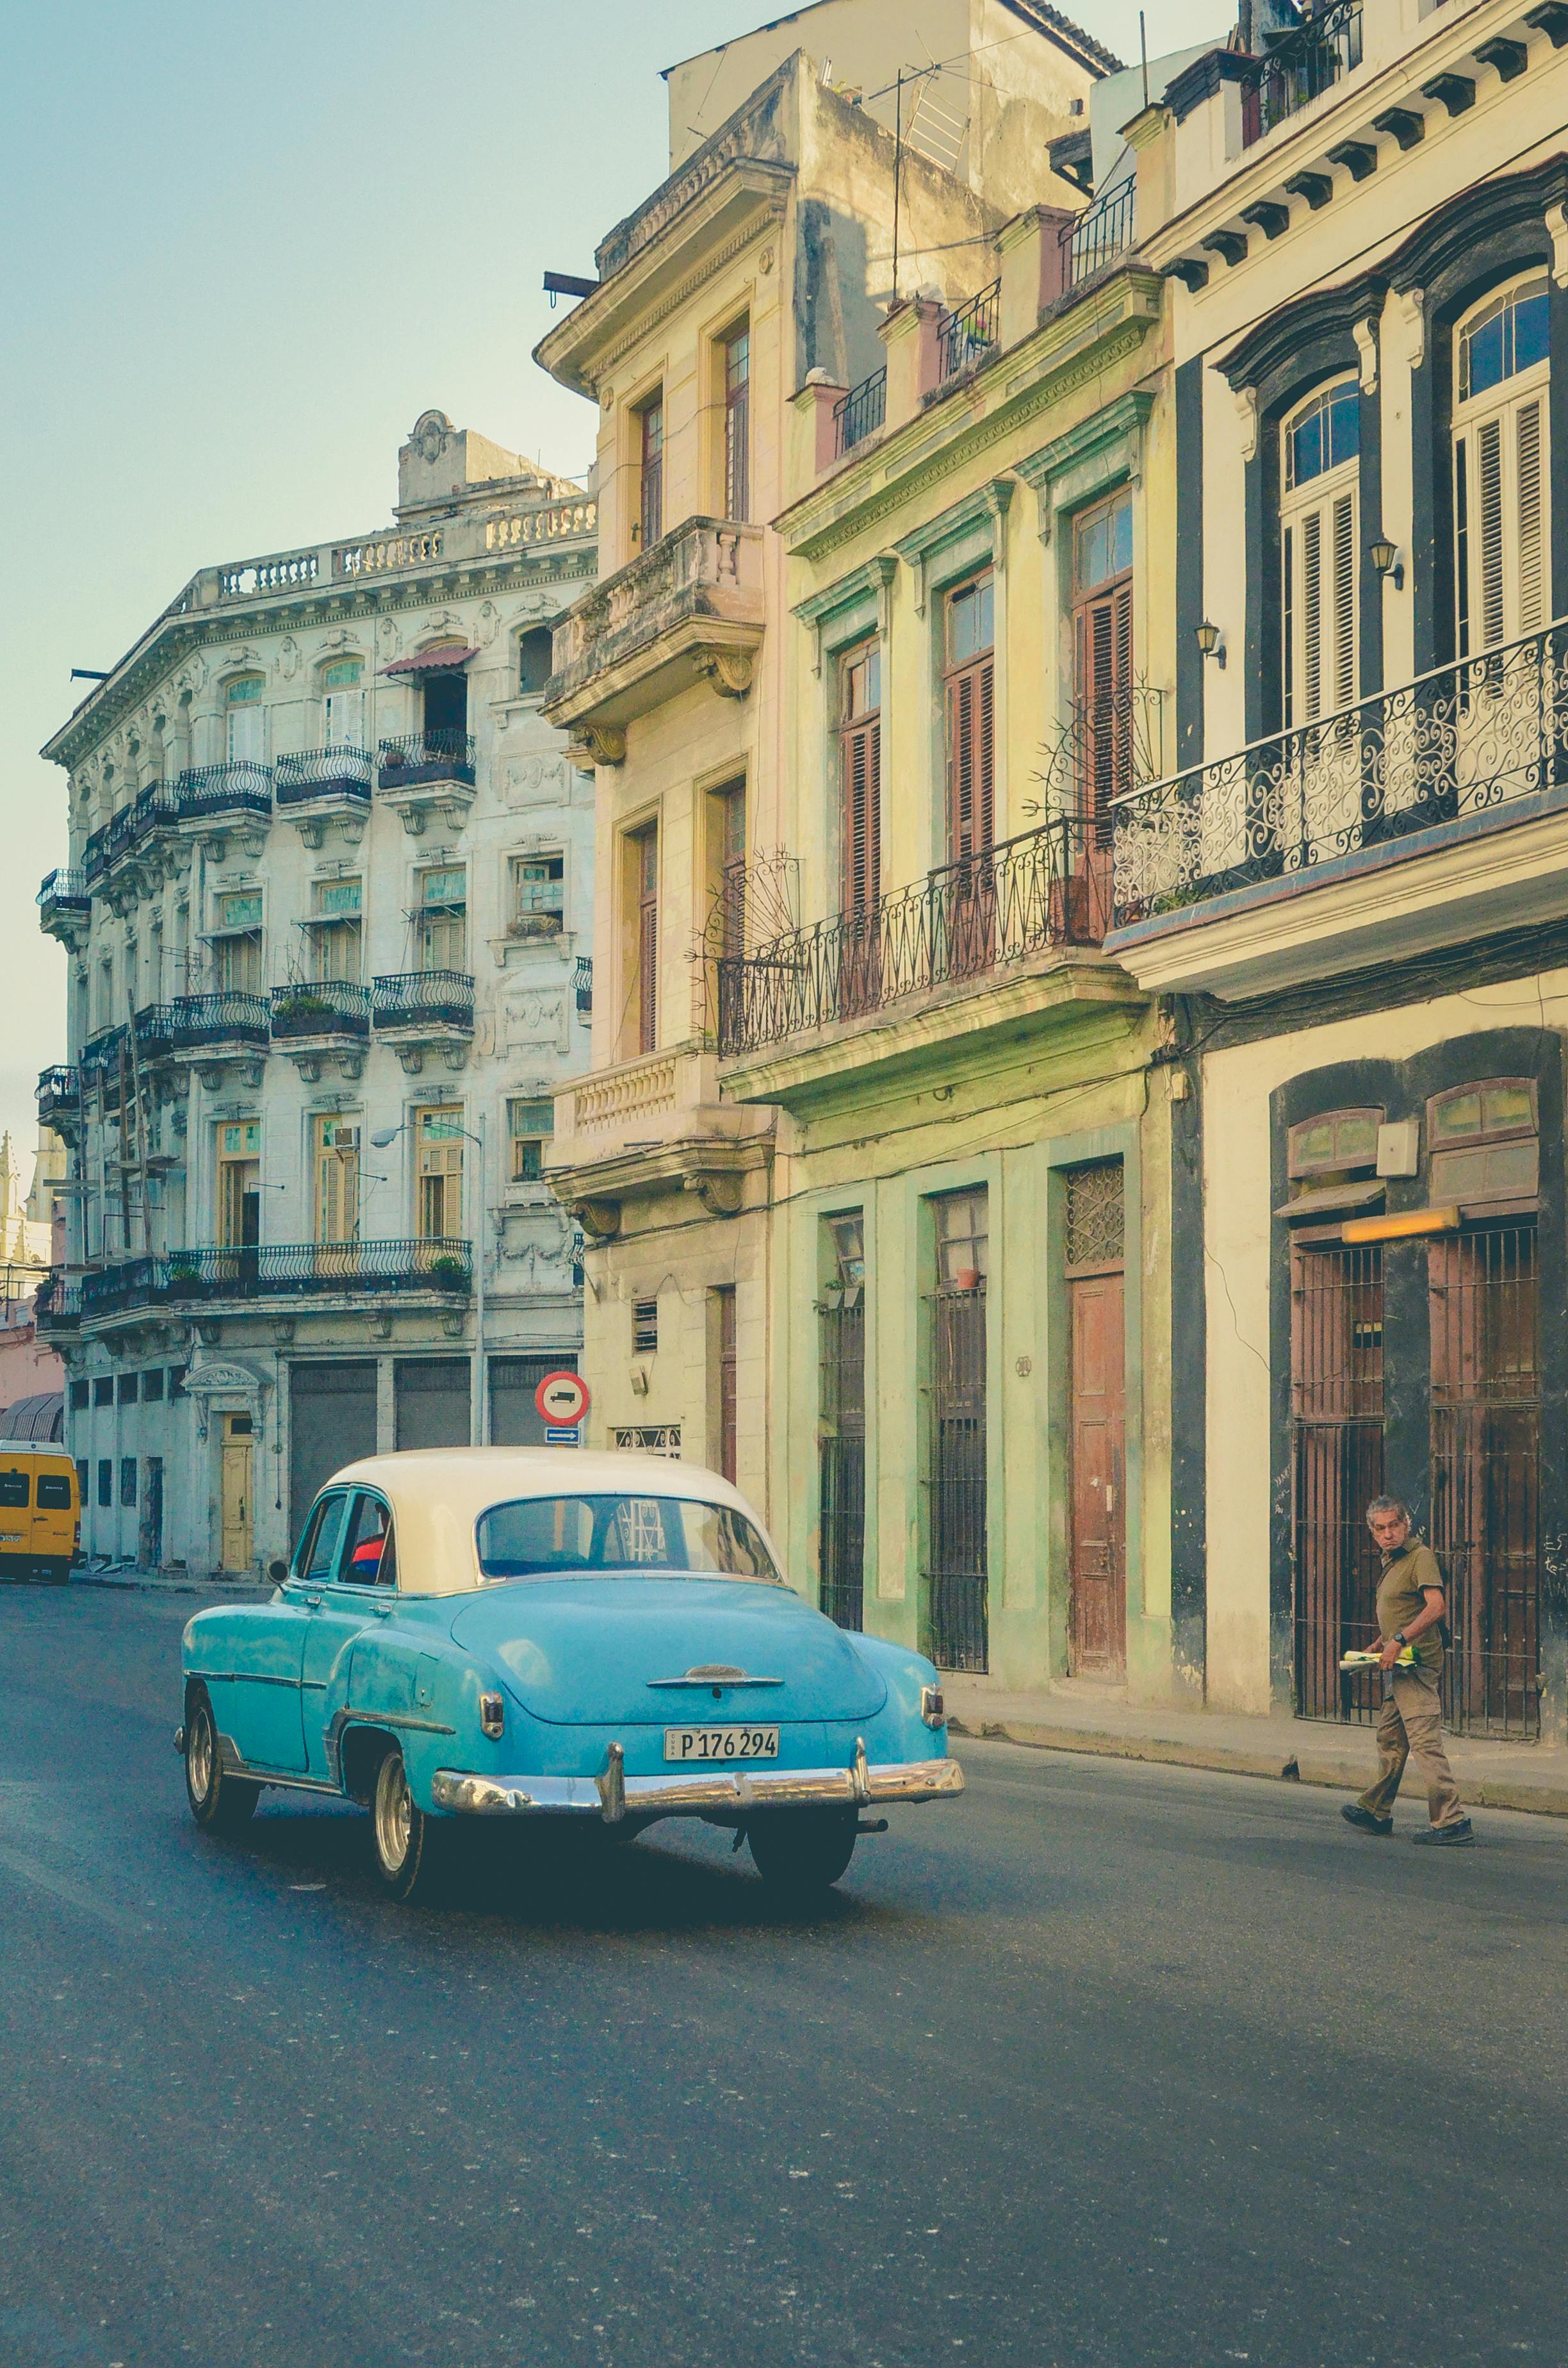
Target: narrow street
{"x": 1104, "y": 2064}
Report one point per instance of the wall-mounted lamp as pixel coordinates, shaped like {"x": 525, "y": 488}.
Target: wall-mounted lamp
{"x": 1386, "y": 559}
{"x": 1209, "y": 642}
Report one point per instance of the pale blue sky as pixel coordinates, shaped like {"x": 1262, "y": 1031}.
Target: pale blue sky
{"x": 244, "y": 247}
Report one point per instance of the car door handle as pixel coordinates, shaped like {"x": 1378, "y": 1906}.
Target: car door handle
{"x": 383, "y": 1611}
{"x": 311, "y": 1601}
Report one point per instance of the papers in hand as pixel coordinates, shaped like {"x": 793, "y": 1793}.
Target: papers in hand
{"x": 1371, "y": 1660}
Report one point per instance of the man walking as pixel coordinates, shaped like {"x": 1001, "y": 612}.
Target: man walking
{"x": 1411, "y": 1607}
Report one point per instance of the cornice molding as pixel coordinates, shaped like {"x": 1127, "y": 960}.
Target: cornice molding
{"x": 698, "y": 279}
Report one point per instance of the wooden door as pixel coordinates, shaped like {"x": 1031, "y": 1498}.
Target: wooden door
{"x": 236, "y": 1495}
{"x": 1099, "y": 1561}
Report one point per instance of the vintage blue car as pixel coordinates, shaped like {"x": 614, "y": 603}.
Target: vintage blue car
{"x": 519, "y": 1633}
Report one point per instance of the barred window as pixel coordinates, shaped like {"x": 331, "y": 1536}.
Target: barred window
{"x": 1095, "y": 1216}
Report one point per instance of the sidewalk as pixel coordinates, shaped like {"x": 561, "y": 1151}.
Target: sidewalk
{"x": 1078, "y": 1717}
{"x": 171, "y": 1582}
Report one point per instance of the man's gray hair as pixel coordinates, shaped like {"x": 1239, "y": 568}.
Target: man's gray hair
{"x": 1380, "y": 1504}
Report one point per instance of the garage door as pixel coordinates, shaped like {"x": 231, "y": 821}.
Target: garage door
{"x": 432, "y": 1401}
{"x": 332, "y": 1421}
{"x": 514, "y": 1420}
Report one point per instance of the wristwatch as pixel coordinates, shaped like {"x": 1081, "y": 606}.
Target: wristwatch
{"x": 1401, "y": 1638}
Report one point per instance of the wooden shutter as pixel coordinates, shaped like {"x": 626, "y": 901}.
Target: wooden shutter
{"x": 648, "y": 947}
{"x": 1488, "y": 529}
{"x": 1320, "y": 611}
{"x": 1105, "y": 696}
{"x": 1529, "y": 505}
{"x": 863, "y": 817}
{"x": 972, "y": 771}
{"x": 1344, "y": 592}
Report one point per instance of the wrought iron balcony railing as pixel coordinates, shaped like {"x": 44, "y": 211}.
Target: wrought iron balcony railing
{"x": 271, "y": 1271}
{"x": 58, "y": 1094}
{"x": 325, "y": 773}
{"x": 100, "y": 1059}
{"x": 861, "y": 411}
{"x": 1099, "y": 234}
{"x": 582, "y": 985}
{"x": 66, "y": 886}
{"x": 156, "y": 808}
{"x": 419, "y": 758}
{"x": 429, "y": 998}
{"x": 193, "y": 1022}
{"x": 1483, "y": 732}
{"x": 966, "y": 336}
{"x": 1300, "y": 65}
{"x": 323, "y": 1007}
{"x": 969, "y": 920}
{"x": 243, "y": 788}
{"x": 57, "y": 1303}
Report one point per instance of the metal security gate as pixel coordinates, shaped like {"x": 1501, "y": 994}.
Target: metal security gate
{"x": 1485, "y": 1331}
{"x": 841, "y": 1460}
{"x": 1336, "y": 1467}
{"x": 957, "y": 1635}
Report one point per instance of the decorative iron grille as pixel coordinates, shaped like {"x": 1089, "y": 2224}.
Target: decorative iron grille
{"x": 323, "y": 773}
{"x": 1485, "y": 731}
{"x": 64, "y": 886}
{"x": 58, "y": 1094}
{"x": 243, "y": 787}
{"x": 280, "y": 1270}
{"x": 957, "y": 1618}
{"x": 966, "y": 336}
{"x": 582, "y": 985}
{"x": 1337, "y": 1463}
{"x": 961, "y": 921}
{"x": 420, "y": 757}
{"x": 860, "y": 413}
{"x": 1484, "y": 1299}
{"x": 1094, "y": 1217}
{"x": 228, "y": 1017}
{"x": 842, "y": 1459}
{"x": 1301, "y": 65}
{"x": 441, "y": 998}
{"x": 326, "y": 1006}
{"x": 650, "y": 1437}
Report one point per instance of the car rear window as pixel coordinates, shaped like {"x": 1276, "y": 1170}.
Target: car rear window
{"x": 53, "y": 1494}
{"x": 14, "y": 1488}
{"x": 539, "y": 1537}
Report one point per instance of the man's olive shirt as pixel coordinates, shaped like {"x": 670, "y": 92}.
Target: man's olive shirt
{"x": 1401, "y": 1597}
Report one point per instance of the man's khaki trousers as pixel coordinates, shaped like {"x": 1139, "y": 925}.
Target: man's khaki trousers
{"x": 1412, "y": 1727}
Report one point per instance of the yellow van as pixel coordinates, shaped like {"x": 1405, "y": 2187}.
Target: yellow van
{"x": 40, "y": 1510}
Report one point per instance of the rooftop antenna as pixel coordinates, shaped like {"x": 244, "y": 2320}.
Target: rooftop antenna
{"x": 1143, "y": 53}
{"x": 897, "y": 169}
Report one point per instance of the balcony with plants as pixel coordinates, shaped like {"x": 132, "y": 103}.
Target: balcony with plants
{"x": 1422, "y": 816}
{"x": 289, "y": 1272}
{"x": 322, "y": 1018}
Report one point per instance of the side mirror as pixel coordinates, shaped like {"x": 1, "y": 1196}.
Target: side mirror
{"x": 277, "y": 1572}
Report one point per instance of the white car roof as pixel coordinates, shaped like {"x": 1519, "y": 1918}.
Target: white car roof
{"x": 437, "y": 1494}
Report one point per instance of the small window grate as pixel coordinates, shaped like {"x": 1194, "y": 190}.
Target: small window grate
{"x": 645, "y": 1326}
{"x": 1094, "y": 1215}
{"x": 650, "y": 1438}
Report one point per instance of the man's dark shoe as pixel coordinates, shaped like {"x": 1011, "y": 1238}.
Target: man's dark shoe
{"x": 1458, "y": 1836}
{"x": 1364, "y": 1821}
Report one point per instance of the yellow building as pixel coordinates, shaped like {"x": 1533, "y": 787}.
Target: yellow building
{"x": 762, "y": 266}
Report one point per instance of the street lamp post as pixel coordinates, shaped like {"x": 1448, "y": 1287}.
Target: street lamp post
{"x": 479, "y": 1394}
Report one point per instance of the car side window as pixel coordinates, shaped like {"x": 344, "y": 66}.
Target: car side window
{"x": 319, "y": 1558}
{"x": 369, "y": 1558}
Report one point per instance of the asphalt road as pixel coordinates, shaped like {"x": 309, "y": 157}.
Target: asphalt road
{"x": 1102, "y": 2064}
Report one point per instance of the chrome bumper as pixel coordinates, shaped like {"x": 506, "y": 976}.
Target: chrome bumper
{"x": 612, "y": 1794}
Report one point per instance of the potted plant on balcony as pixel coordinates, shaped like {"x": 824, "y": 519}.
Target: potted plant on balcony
{"x": 302, "y": 1009}
{"x": 184, "y": 1270}
{"x": 449, "y": 1272}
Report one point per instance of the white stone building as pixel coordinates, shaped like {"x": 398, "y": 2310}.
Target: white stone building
{"x": 328, "y": 912}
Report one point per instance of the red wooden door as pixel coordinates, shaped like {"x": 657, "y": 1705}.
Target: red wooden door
{"x": 1098, "y": 1568}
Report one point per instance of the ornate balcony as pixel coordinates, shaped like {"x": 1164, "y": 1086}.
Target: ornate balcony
{"x": 582, "y": 985}
{"x": 210, "y": 1033}
{"x": 60, "y": 1099}
{"x": 320, "y": 787}
{"x": 965, "y": 926}
{"x": 424, "y": 1011}
{"x": 654, "y": 1126}
{"x": 57, "y": 1307}
{"x": 217, "y": 800}
{"x": 686, "y": 612}
{"x": 99, "y": 1064}
{"x": 1424, "y": 816}
{"x": 428, "y": 772}
{"x": 188, "y": 1278}
{"x": 65, "y": 908}
{"x": 321, "y": 1020}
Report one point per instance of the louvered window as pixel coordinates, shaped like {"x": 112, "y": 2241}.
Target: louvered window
{"x": 646, "y": 848}
{"x": 860, "y": 763}
{"x": 1319, "y": 550}
{"x": 971, "y": 704}
{"x": 1500, "y": 470}
{"x": 650, "y": 494}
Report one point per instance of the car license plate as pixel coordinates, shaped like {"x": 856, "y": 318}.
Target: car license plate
{"x": 711, "y": 1742}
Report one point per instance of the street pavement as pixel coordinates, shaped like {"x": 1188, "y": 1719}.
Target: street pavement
{"x": 1106, "y": 2063}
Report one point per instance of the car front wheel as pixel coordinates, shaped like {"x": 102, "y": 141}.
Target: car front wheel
{"x": 220, "y": 1803}
{"x": 405, "y": 1846}
{"x": 803, "y": 1851}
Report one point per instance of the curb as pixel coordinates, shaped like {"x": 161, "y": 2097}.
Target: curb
{"x": 1232, "y": 1759}
{"x": 139, "y": 1583}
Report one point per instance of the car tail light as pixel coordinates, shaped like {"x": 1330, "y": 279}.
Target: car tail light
{"x": 492, "y": 1713}
{"x": 932, "y": 1709}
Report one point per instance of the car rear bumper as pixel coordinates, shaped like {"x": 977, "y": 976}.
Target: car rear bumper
{"x": 730, "y": 1792}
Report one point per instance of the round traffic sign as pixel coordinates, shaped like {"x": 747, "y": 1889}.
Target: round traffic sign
{"x": 561, "y": 1399}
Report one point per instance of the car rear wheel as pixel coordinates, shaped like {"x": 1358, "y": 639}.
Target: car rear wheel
{"x": 405, "y": 1845}
{"x": 803, "y": 1851}
{"x": 220, "y": 1803}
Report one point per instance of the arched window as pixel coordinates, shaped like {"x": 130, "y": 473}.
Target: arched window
{"x": 343, "y": 700}
{"x": 1500, "y": 468}
{"x": 247, "y": 721}
{"x": 1319, "y": 552}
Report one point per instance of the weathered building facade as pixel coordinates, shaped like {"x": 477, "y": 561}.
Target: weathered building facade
{"x": 1351, "y": 887}
{"x": 763, "y": 265}
{"x": 328, "y": 908}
